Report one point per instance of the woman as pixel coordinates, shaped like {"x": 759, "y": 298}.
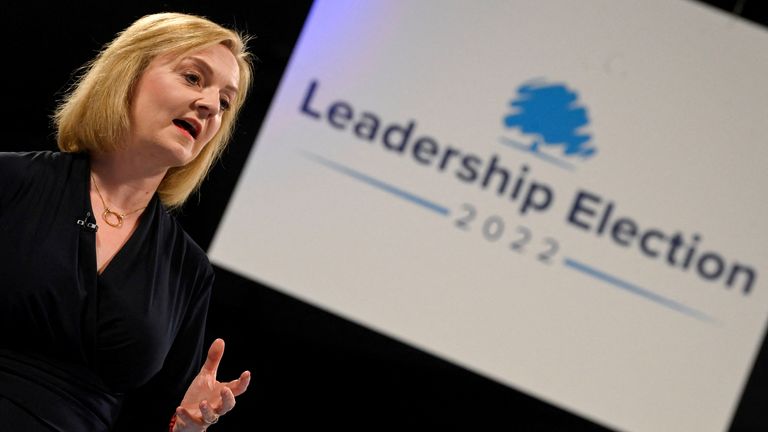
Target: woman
{"x": 103, "y": 297}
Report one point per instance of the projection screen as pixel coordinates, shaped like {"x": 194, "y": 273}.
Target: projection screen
{"x": 563, "y": 196}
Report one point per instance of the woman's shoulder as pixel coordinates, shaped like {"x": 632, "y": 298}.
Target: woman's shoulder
{"x": 23, "y": 170}
{"x": 27, "y": 163}
{"x": 38, "y": 156}
{"x": 183, "y": 245}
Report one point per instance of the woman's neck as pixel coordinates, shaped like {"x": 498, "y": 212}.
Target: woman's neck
{"x": 125, "y": 182}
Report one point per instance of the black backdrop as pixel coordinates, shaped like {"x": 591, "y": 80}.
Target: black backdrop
{"x": 310, "y": 368}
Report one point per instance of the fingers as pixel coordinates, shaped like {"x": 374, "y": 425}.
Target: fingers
{"x": 227, "y": 401}
{"x": 215, "y": 353}
{"x": 184, "y": 417}
{"x": 209, "y": 415}
{"x": 239, "y": 385}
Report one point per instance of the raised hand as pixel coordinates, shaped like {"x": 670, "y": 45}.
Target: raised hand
{"x": 206, "y": 398}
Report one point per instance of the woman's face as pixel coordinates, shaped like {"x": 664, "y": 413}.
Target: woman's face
{"x": 179, "y": 102}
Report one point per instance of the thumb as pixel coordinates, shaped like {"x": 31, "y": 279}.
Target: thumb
{"x": 215, "y": 353}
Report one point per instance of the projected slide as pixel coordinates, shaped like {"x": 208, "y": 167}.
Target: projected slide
{"x": 564, "y": 196}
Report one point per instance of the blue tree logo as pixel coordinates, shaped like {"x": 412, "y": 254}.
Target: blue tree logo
{"x": 551, "y": 115}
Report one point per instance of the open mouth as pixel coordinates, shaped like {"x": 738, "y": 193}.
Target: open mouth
{"x": 186, "y": 126}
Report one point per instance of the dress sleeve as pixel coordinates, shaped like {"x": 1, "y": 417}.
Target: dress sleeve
{"x": 151, "y": 406}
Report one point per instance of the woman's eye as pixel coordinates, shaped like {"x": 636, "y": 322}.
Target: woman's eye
{"x": 192, "y": 78}
{"x": 224, "y": 104}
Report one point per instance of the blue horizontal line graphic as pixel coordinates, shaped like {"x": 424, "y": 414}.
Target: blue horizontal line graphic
{"x": 377, "y": 183}
{"x": 543, "y": 156}
{"x": 642, "y": 292}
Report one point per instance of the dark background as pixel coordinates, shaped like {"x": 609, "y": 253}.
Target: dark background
{"x": 310, "y": 368}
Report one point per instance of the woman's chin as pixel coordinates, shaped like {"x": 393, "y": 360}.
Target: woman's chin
{"x": 180, "y": 156}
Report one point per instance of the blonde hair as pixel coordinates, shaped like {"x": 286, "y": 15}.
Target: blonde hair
{"x": 94, "y": 114}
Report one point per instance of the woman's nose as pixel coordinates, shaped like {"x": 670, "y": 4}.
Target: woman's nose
{"x": 208, "y": 104}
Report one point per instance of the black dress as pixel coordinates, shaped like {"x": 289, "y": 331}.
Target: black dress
{"x": 77, "y": 345}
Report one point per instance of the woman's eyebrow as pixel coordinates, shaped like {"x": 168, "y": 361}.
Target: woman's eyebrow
{"x": 209, "y": 71}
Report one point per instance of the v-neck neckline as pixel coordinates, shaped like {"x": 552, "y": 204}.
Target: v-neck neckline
{"x": 131, "y": 238}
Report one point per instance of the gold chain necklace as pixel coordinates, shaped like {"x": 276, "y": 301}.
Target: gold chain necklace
{"x": 110, "y": 216}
